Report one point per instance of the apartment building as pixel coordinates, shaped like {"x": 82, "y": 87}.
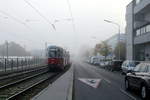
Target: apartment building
{"x": 138, "y": 30}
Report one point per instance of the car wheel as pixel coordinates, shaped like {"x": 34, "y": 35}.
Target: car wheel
{"x": 144, "y": 92}
{"x": 127, "y": 85}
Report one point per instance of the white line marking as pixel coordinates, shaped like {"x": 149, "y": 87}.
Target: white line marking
{"x": 108, "y": 81}
{"x": 129, "y": 95}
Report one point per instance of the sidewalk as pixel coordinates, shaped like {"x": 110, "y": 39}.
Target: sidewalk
{"x": 61, "y": 89}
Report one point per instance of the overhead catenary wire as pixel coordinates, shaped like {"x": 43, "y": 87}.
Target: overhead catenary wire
{"x": 73, "y": 24}
{"x": 71, "y": 14}
{"x": 20, "y": 22}
{"x": 15, "y": 19}
{"x": 45, "y": 18}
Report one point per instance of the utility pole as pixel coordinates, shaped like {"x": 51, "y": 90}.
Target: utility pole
{"x": 25, "y": 50}
{"x": 119, "y": 43}
{"x": 118, "y": 35}
{"x": 46, "y": 49}
{"x": 7, "y": 52}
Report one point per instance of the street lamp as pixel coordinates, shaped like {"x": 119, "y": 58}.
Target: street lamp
{"x": 59, "y": 20}
{"x": 108, "y": 21}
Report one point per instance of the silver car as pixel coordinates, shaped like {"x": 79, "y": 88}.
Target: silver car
{"x": 128, "y": 66}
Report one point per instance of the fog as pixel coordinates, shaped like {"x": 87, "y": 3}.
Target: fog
{"x": 20, "y": 23}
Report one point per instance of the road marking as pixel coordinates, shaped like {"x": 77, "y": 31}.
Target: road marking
{"x": 107, "y": 80}
{"x": 129, "y": 95}
{"x": 91, "y": 82}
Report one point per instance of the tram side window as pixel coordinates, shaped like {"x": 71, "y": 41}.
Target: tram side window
{"x": 138, "y": 32}
{"x": 59, "y": 53}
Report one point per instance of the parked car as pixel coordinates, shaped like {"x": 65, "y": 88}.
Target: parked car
{"x": 128, "y": 66}
{"x": 139, "y": 79}
{"x": 115, "y": 65}
{"x": 108, "y": 64}
{"x": 94, "y": 60}
{"x": 102, "y": 64}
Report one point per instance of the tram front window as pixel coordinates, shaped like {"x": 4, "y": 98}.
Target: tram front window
{"x": 52, "y": 54}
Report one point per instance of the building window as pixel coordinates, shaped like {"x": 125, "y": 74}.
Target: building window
{"x": 138, "y": 32}
{"x": 148, "y": 28}
{"x": 143, "y": 30}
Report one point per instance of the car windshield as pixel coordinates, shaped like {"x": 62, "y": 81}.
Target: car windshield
{"x": 132, "y": 64}
{"x": 137, "y": 68}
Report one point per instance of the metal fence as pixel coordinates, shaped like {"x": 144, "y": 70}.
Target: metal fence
{"x": 10, "y": 64}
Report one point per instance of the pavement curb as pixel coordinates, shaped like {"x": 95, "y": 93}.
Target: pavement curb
{"x": 70, "y": 89}
{"x": 56, "y": 90}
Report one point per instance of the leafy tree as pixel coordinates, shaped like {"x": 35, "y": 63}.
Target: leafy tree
{"x": 122, "y": 47}
{"x": 105, "y": 49}
{"x": 14, "y": 49}
{"x": 97, "y": 48}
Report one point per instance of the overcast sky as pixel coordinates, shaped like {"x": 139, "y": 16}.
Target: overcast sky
{"x": 22, "y": 24}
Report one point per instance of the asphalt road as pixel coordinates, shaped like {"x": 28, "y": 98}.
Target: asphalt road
{"x": 105, "y": 86}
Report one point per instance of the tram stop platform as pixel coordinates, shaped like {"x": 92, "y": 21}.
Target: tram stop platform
{"x": 61, "y": 89}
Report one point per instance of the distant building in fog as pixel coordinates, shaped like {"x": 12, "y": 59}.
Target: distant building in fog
{"x": 112, "y": 41}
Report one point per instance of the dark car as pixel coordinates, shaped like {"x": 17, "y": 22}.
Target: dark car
{"x": 115, "y": 65}
{"x": 139, "y": 79}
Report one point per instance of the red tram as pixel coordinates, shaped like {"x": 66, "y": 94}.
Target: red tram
{"x": 58, "y": 58}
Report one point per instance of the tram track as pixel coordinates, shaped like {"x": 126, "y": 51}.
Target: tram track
{"x": 15, "y": 86}
{"x": 20, "y": 76}
{"x": 33, "y": 90}
{"x": 11, "y": 90}
{"x": 17, "y": 82}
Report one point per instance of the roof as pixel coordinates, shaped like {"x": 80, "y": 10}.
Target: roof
{"x": 53, "y": 46}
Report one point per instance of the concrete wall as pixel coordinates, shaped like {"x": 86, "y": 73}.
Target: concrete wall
{"x": 147, "y": 17}
{"x": 129, "y": 31}
{"x": 147, "y": 52}
{"x": 142, "y": 17}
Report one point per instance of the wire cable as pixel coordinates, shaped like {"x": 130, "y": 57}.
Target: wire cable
{"x": 70, "y": 10}
{"x": 15, "y": 19}
{"x": 45, "y": 18}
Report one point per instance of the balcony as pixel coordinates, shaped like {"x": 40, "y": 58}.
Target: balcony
{"x": 142, "y": 7}
{"x": 144, "y": 38}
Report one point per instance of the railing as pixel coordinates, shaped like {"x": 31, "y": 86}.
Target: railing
{"x": 10, "y": 64}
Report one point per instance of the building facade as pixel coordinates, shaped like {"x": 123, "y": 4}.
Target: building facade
{"x": 138, "y": 30}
